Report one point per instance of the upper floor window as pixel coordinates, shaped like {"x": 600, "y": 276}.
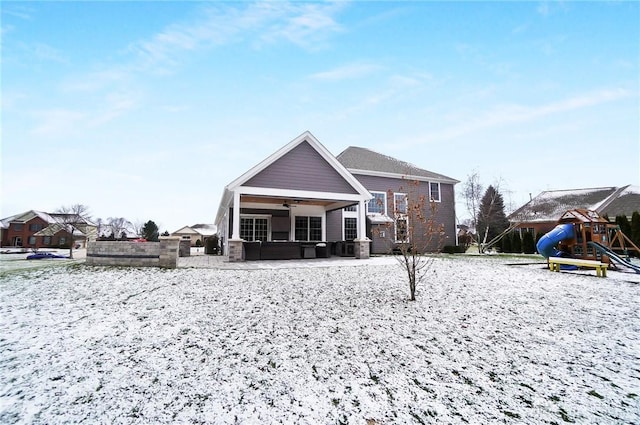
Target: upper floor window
{"x": 400, "y": 203}
{"x": 378, "y": 204}
{"x": 17, "y": 226}
{"x": 35, "y": 227}
{"x": 434, "y": 191}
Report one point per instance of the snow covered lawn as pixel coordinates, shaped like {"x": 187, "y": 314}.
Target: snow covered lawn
{"x": 485, "y": 343}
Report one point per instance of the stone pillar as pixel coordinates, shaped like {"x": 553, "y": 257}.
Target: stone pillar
{"x": 236, "y": 251}
{"x": 185, "y": 248}
{"x": 361, "y": 248}
{"x": 169, "y": 246}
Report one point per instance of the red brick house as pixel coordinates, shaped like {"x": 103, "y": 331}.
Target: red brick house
{"x": 37, "y": 229}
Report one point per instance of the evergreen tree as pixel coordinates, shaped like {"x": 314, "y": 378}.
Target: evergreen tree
{"x": 635, "y": 228}
{"x": 506, "y": 243}
{"x": 625, "y": 226}
{"x": 516, "y": 243}
{"x": 491, "y": 217}
{"x": 528, "y": 246}
{"x": 150, "y": 231}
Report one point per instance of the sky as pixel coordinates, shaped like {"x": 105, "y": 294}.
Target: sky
{"x": 146, "y": 110}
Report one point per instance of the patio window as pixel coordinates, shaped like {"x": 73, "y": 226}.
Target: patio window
{"x": 350, "y": 228}
{"x": 378, "y": 204}
{"x": 434, "y": 191}
{"x": 254, "y": 228}
{"x": 308, "y": 228}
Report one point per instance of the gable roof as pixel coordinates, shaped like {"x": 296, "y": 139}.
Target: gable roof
{"x": 315, "y": 145}
{"x": 356, "y": 188}
{"x": 550, "y": 205}
{"x": 28, "y": 216}
{"x": 625, "y": 201}
{"x": 365, "y": 161}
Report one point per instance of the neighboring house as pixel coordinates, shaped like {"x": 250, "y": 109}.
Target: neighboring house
{"x": 195, "y": 233}
{"x": 36, "y": 229}
{"x": 303, "y": 194}
{"x": 541, "y": 214}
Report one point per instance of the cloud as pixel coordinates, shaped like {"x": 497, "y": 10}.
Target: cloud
{"x": 263, "y": 23}
{"x": 502, "y": 115}
{"x": 346, "y": 72}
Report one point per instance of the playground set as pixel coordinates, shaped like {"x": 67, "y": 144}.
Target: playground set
{"x": 584, "y": 239}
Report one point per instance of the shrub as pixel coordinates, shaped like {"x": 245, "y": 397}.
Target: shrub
{"x": 198, "y": 243}
{"x": 528, "y": 246}
{"x": 506, "y": 243}
{"x": 516, "y": 243}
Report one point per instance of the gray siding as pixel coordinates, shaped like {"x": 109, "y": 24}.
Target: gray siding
{"x": 446, "y": 207}
{"x": 334, "y": 225}
{"x": 302, "y": 168}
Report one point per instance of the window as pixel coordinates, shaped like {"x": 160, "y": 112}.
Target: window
{"x": 400, "y": 203}
{"x": 352, "y": 208}
{"x": 35, "y": 227}
{"x": 308, "y": 228}
{"x": 17, "y": 227}
{"x": 378, "y": 204}
{"x": 254, "y": 228}
{"x": 62, "y": 240}
{"x": 401, "y": 230}
{"x": 46, "y": 240}
{"x": 434, "y": 191}
{"x": 350, "y": 228}
{"x": 32, "y": 240}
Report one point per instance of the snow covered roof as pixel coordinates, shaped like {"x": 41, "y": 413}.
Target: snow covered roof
{"x": 197, "y": 229}
{"x": 550, "y": 205}
{"x": 26, "y": 217}
{"x": 365, "y": 161}
{"x": 625, "y": 202}
{"x": 53, "y": 229}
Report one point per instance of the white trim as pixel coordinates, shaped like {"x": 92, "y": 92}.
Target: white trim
{"x": 401, "y": 176}
{"x": 384, "y": 207}
{"x": 439, "y": 192}
{"x": 302, "y": 194}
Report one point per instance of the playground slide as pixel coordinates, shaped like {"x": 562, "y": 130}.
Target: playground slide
{"x": 547, "y": 244}
{"x": 614, "y": 256}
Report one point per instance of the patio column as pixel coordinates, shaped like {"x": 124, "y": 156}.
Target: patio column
{"x": 362, "y": 242}
{"x": 236, "y": 216}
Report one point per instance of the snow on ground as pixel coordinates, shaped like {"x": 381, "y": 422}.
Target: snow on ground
{"x": 484, "y": 343}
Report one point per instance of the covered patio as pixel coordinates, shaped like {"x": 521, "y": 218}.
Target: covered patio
{"x": 282, "y": 208}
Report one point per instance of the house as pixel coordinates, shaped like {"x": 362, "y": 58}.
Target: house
{"x": 37, "y": 229}
{"x": 303, "y": 202}
{"x": 195, "y": 233}
{"x": 541, "y": 214}
{"x": 388, "y": 180}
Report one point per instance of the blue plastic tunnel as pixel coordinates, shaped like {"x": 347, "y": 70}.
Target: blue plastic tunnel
{"x": 547, "y": 244}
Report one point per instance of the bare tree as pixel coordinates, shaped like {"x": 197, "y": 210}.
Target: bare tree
{"x": 472, "y": 192}
{"x": 119, "y": 225}
{"x": 73, "y": 219}
{"x": 416, "y": 231}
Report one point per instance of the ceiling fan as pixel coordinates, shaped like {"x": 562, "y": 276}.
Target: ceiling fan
{"x": 289, "y": 204}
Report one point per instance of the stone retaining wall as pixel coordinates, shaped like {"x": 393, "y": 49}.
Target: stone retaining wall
{"x": 135, "y": 254}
